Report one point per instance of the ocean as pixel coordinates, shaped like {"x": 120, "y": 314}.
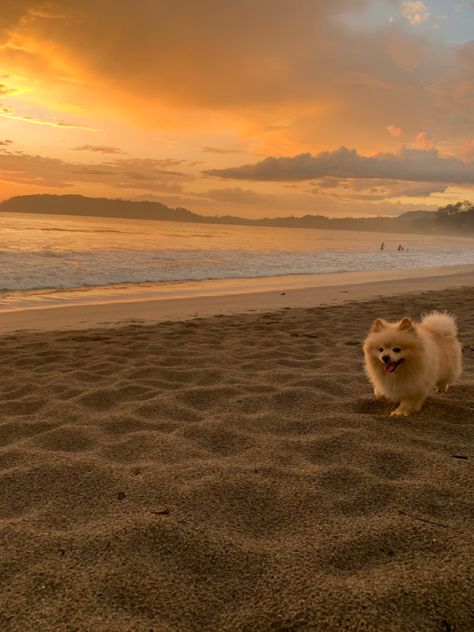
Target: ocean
{"x": 50, "y": 259}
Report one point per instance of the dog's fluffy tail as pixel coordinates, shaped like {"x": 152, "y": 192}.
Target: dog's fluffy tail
{"x": 440, "y": 323}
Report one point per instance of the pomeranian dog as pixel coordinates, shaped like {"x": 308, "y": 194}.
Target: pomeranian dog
{"x": 406, "y": 361}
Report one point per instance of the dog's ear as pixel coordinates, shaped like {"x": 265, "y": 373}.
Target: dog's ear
{"x": 378, "y": 325}
{"x": 406, "y": 323}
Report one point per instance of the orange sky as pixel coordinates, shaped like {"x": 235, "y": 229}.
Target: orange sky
{"x": 250, "y": 107}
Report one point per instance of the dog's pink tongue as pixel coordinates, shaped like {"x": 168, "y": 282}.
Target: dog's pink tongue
{"x": 390, "y": 367}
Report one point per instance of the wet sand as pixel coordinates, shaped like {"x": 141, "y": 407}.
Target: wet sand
{"x": 233, "y": 296}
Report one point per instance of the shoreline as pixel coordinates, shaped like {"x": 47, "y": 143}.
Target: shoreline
{"x": 234, "y": 296}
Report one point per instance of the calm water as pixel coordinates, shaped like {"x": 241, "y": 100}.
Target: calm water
{"x": 46, "y": 253}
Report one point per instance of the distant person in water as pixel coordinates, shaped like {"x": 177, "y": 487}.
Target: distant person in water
{"x": 400, "y": 247}
{"x": 382, "y": 246}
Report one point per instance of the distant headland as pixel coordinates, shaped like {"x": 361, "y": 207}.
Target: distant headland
{"x": 453, "y": 218}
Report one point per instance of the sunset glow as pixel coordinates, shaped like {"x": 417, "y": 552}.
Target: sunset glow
{"x": 254, "y": 108}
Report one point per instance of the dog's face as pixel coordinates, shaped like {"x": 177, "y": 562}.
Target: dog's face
{"x": 390, "y": 346}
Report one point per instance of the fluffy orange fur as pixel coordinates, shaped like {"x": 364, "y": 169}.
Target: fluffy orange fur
{"x": 406, "y": 361}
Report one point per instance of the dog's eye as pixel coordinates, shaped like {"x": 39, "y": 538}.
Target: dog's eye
{"x": 381, "y": 349}
{"x": 396, "y": 349}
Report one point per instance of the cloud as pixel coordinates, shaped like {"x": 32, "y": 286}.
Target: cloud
{"x": 393, "y": 130}
{"x": 409, "y": 164}
{"x": 255, "y": 53}
{"x": 243, "y": 50}
{"x": 237, "y": 195}
{"x": 423, "y": 140}
{"x": 218, "y": 150}
{"x": 9, "y": 114}
{"x": 275, "y": 72}
{"x": 99, "y": 148}
{"x": 5, "y": 90}
{"x": 372, "y": 190}
{"x": 415, "y": 12}
{"x": 467, "y": 151}
{"x": 6, "y": 142}
{"x": 274, "y": 75}
{"x": 134, "y": 173}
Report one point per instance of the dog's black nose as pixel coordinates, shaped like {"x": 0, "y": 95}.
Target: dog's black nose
{"x": 386, "y": 359}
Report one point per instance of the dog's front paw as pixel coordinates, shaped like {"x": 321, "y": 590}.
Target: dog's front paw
{"x": 399, "y": 412}
{"x": 408, "y": 407}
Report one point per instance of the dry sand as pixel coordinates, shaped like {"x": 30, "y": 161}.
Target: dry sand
{"x": 232, "y": 473}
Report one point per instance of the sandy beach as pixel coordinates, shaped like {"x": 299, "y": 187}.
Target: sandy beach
{"x": 231, "y": 471}
{"x": 183, "y": 301}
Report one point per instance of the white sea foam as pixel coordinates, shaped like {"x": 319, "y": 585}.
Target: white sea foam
{"x": 47, "y": 270}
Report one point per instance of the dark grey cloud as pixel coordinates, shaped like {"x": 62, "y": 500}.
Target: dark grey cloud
{"x": 410, "y": 164}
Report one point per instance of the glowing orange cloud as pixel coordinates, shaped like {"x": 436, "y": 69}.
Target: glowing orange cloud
{"x": 163, "y": 80}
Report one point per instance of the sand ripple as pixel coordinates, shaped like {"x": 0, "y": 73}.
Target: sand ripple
{"x": 231, "y": 473}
